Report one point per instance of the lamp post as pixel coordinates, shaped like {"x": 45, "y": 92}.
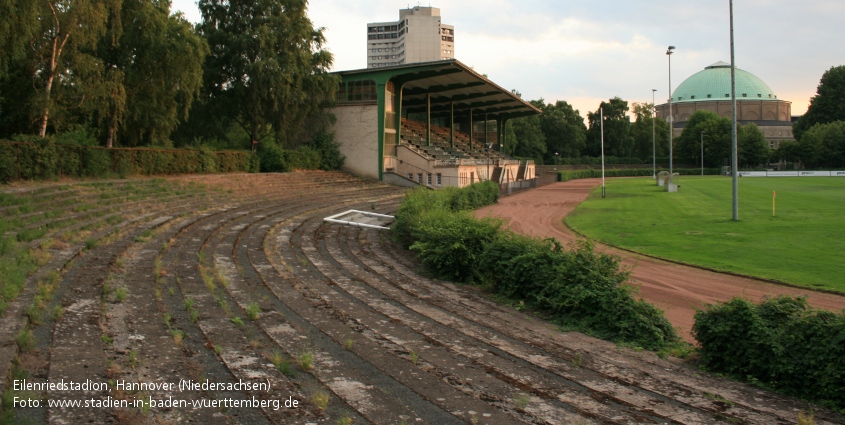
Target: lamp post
{"x": 702, "y": 152}
{"x": 557, "y": 158}
{"x": 671, "y": 129}
{"x": 653, "y": 145}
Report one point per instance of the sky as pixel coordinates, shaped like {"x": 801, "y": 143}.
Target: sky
{"x": 587, "y": 51}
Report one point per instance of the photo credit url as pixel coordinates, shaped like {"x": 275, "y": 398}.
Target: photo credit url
{"x": 62, "y": 395}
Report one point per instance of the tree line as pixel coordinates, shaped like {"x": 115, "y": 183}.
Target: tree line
{"x": 131, "y": 73}
{"x": 560, "y": 132}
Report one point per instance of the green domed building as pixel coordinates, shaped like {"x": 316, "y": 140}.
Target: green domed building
{"x": 710, "y": 90}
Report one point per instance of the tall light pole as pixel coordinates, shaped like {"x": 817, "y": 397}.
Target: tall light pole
{"x": 601, "y": 119}
{"x": 734, "y": 159}
{"x": 671, "y": 129}
{"x": 653, "y": 145}
{"x": 702, "y": 152}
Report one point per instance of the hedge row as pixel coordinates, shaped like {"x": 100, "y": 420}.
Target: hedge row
{"x": 781, "y": 343}
{"x": 577, "y": 287}
{"x": 566, "y": 175}
{"x": 44, "y": 159}
{"x": 588, "y": 160}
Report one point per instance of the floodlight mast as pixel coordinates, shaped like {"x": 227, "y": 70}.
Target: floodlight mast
{"x": 734, "y": 157}
{"x": 671, "y": 126}
{"x": 601, "y": 120}
{"x": 653, "y": 144}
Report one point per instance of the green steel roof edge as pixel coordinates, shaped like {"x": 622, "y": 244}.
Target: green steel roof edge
{"x": 425, "y": 70}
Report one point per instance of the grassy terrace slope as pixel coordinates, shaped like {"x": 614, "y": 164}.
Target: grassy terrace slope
{"x": 237, "y": 278}
{"x": 803, "y": 245}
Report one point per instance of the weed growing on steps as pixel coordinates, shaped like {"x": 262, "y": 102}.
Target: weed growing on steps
{"x": 320, "y": 399}
{"x": 305, "y": 360}
{"x": 521, "y": 401}
{"x": 252, "y": 311}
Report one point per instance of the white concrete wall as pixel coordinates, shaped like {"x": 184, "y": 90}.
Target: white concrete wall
{"x": 356, "y": 130}
{"x": 422, "y": 39}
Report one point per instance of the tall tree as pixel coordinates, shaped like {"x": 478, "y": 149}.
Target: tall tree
{"x": 136, "y": 93}
{"x": 564, "y": 129}
{"x": 18, "y": 25}
{"x": 717, "y": 139}
{"x": 617, "y": 130}
{"x": 823, "y": 145}
{"x": 752, "y": 148}
{"x": 523, "y": 136}
{"x": 827, "y": 105}
{"x": 68, "y": 29}
{"x": 267, "y": 69}
{"x": 649, "y": 136}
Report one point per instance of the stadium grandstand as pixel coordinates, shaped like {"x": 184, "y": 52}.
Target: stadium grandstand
{"x": 435, "y": 124}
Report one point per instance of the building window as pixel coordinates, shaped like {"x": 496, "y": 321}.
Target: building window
{"x": 360, "y": 90}
{"x": 429, "y": 179}
{"x": 439, "y": 179}
{"x": 410, "y": 176}
{"x": 419, "y": 178}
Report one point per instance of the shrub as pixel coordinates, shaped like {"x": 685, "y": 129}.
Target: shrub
{"x": 207, "y": 160}
{"x": 303, "y": 158}
{"x": 450, "y": 243}
{"x": 329, "y": 150}
{"x": 272, "y": 158}
{"x": 43, "y": 159}
{"x": 579, "y": 288}
{"x": 781, "y": 343}
{"x": 576, "y": 287}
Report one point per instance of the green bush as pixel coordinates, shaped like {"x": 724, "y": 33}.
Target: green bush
{"x": 577, "y": 288}
{"x": 421, "y": 200}
{"x": 450, "y": 243}
{"x": 303, "y": 158}
{"x": 781, "y": 343}
{"x": 96, "y": 162}
{"x": 207, "y": 160}
{"x": 36, "y": 158}
{"x": 272, "y": 158}
{"x": 329, "y": 150}
{"x": 9, "y": 163}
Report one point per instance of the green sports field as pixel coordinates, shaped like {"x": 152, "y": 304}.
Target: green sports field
{"x": 804, "y": 244}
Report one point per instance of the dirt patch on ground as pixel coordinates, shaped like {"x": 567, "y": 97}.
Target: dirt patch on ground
{"x": 677, "y": 289}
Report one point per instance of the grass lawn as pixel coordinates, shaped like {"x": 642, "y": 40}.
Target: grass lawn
{"x": 804, "y": 244}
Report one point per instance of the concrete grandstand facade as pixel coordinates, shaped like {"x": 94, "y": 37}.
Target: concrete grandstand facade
{"x": 377, "y": 133}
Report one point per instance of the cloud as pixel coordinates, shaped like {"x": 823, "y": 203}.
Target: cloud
{"x": 588, "y": 51}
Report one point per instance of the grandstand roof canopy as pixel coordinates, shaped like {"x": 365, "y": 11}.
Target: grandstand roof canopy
{"x": 449, "y": 83}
